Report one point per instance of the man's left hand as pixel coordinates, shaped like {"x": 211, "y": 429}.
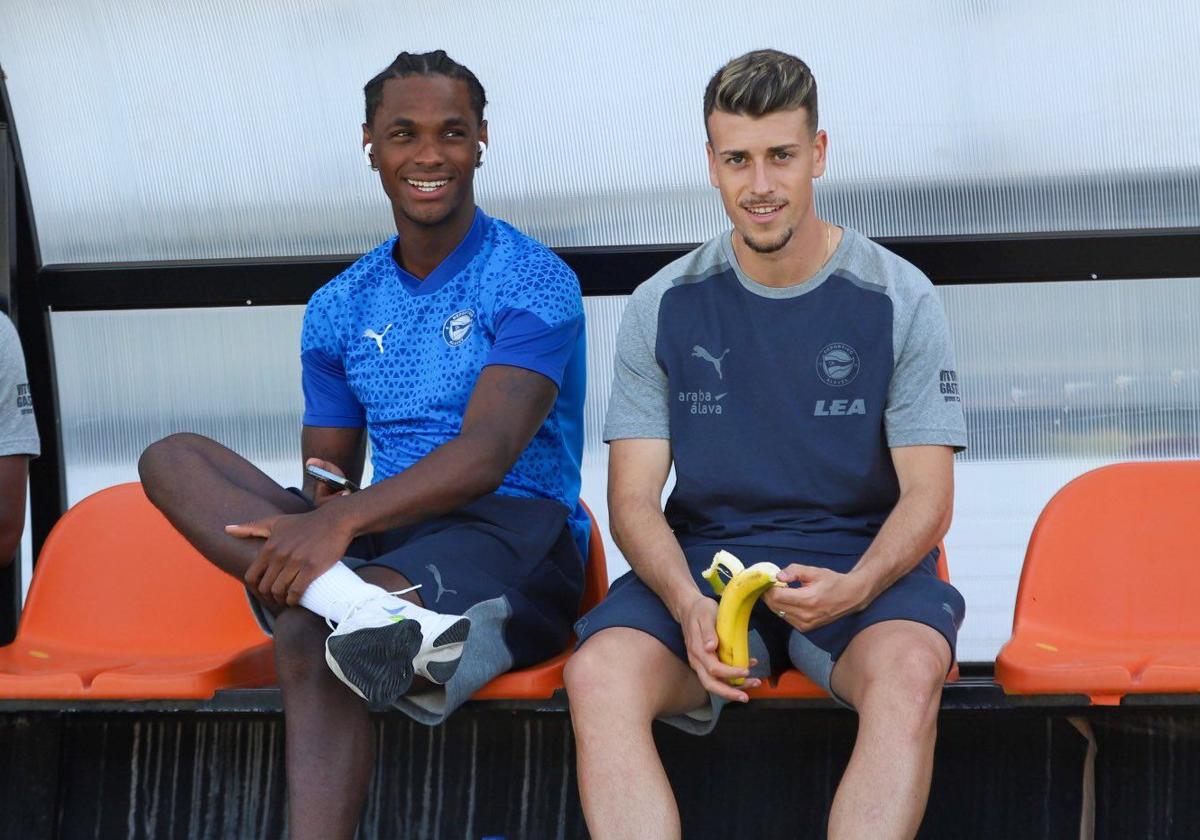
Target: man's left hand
{"x": 824, "y": 596}
{"x": 298, "y": 548}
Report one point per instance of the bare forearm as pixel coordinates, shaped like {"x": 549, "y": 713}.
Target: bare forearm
{"x": 648, "y": 543}
{"x": 919, "y": 520}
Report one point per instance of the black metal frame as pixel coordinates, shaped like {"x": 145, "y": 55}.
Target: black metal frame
{"x": 1020, "y": 258}
{"x": 46, "y": 475}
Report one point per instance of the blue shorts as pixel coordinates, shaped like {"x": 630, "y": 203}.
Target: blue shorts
{"x": 918, "y": 596}
{"x": 510, "y": 564}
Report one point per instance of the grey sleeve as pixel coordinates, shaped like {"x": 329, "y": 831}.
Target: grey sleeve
{"x": 924, "y": 403}
{"x": 637, "y": 406}
{"x": 18, "y": 433}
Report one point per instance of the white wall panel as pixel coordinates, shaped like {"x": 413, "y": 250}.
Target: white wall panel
{"x": 229, "y": 128}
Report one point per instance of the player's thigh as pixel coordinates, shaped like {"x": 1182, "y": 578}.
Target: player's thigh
{"x": 202, "y": 467}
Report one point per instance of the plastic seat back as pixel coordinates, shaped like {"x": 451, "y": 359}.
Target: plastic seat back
{"x": 121, "y": 607}
{"x": 1115, "y": 555}
{"x": 114, "y": 577}
{"x": 541, "y": 681}
{"x": 596, "y": 580}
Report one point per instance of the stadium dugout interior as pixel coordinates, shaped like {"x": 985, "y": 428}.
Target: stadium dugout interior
{"x": 175, "y": 183}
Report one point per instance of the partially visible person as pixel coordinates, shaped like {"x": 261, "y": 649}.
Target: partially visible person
{"x": 18, "y": 440}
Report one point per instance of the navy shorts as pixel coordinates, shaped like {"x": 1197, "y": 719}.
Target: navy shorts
{"x": 918, "y": 596}
{"x": 510, "y": 564}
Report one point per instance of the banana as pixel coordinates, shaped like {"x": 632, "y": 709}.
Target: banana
{"x": 725, "y": 562}
{"x": 738, "y": 597}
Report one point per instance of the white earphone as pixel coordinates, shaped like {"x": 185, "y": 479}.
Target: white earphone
{"x": 482, "y": 149}
{"x": 367, "y": 155}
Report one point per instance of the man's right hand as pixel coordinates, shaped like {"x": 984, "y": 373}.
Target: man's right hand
{"x": 322, "y": 492}
{"x": 700, "y": 638}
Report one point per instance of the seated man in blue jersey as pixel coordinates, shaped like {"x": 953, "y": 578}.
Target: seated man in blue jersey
{"x": 795, "y": 374}
{"x": 457, "y": 346}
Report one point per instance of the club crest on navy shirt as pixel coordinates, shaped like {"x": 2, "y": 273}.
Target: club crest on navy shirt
{"x": 837, "y": 364}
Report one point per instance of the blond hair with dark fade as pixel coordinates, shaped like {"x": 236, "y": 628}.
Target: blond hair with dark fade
{"x": 760, "y": 83}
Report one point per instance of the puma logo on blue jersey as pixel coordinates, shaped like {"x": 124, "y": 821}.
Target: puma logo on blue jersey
{"x": 377, "y": 337}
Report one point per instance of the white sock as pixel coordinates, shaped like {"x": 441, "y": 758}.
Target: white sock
{"x": 333, "y": 594}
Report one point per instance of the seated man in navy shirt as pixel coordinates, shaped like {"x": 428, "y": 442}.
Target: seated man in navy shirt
{"x": 457, "y": 347}
{"x": 801, "y": 381}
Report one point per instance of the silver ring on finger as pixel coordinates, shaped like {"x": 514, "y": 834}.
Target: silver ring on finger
{"x": 781, "y": 613}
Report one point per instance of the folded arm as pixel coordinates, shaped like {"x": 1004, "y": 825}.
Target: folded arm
{"x": 507, "y": 407}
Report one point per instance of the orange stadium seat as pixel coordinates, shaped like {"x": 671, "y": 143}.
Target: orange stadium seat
{"x": 1107, "y": 601}
{"x": 122, "y": 607}
{"x": 793, "y": 685}
{"x": 541, "y": 681}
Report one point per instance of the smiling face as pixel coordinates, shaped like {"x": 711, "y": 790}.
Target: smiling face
{"x": 425, "y": 142}
{"x": 764, "y": 167}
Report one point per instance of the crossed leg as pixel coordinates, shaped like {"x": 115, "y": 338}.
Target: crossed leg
{"x": 892, "y": 672}
{"x": 201, "y": 486}
{"x": 618, "y": 683}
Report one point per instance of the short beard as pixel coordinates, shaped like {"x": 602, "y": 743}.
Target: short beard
{"x": 768, "y": 247}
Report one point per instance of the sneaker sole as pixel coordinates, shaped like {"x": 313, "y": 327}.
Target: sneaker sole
{"x": 440, "y": 671}
{"x": 378, "y": 661}
{"x": 455, "y": 633}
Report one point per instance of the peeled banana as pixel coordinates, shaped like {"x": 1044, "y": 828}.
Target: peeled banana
{"x": 738, "y": 595}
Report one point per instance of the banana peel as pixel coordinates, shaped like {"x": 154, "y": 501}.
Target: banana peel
{"x": 739, "y": 588}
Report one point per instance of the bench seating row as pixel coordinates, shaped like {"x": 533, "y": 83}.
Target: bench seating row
{"x": 121, "y": 607}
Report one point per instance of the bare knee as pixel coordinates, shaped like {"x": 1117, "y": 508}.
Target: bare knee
{"x": 161, "y": 460}
{"x": 624, "y": 676}
{"x": 588, "y": 675}
{"x": 594, "y": 679}
{"x": 300, "y": 647}
{"x": 907, "y": 694}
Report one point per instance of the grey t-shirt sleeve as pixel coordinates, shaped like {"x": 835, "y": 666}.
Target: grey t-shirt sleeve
{"x": 637, "y": 406}
{"x": 18, "y": 433}
{"x": 924, "y": 403}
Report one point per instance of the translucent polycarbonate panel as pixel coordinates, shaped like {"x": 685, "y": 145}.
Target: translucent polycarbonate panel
{"x": 1080, "y": 370}
{"x": 158, "y": 130}
{"x": 603, "y": 319}
{"x": 129, "y": 378}
{"x": 1058, "y": 379}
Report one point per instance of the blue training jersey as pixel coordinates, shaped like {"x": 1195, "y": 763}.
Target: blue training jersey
{"x": 384, "y": 350}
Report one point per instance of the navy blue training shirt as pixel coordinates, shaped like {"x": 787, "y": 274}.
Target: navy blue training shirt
{"x": 782, "y": 404}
